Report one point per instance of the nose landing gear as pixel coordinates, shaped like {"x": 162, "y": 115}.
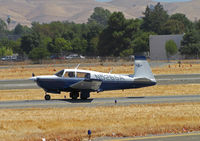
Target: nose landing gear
{"x": 47, "y": 97}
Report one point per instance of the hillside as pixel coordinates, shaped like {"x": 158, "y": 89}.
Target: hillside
{"x": 27, "y": 11}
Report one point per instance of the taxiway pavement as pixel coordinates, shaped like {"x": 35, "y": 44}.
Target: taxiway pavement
{"x": 63, "y": 103}
{"x": 194, "y": 136}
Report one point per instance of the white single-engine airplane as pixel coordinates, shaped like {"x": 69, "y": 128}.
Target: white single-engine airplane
{"x": 82, "y": 82}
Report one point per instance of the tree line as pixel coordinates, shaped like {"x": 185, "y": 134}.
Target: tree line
{"x": 105, "y": 34}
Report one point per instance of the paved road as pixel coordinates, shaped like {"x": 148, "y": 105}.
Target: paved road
{"x": 161, "y": 80}
{"x": 178, "y": 79}
{"x": 180, "y": 137}
{"x": 17, "y": 84}
{"x": 61, "y": 103}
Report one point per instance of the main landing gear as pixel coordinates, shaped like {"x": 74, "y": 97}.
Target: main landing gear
{"x": 74, "y": 95}
{"x": 83, "y": 95}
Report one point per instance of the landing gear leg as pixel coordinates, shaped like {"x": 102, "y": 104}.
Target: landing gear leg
{"x": 47, "y": 97}
{"x": 74, "y": 95}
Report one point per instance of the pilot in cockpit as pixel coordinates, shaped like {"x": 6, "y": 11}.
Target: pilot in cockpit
{"x": 71, "y": 74}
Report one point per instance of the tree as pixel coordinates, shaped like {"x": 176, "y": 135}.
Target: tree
{"x": 92, "y": 47}
{"x": 79, "y": 46}
{"x": 154, "y": 19}
{"x": 59, "y": 46}
{"x": 141, "y": 42}
{"x": 28, "y": 42}
{"x": 170, "y": 48}
{"x": 5, "y": 51}
{"x": 111, "y": 41}
{"x": 173, "y": 27}
{"x": 139, "y": 45}
{"x": 93, "y": 38}
{"x": 39, "y": 53}
{"x": 10, "y": 46}
{"x": 8, "y": 20}
{"x": 16, "y": 47}
{"x": 100, "y": 16}
{"x": 3, "y": 26}
{"x": 188, "y": 25}
{"x": 117, "y": 21}
{"x": 190, "y": 37}
{"x": 21, "y": 30}
{"x": 197, "y": 25}
{"x": 63, "y": 45}
{"x": 117, "y": 38}
{"x": 190, "y": 45}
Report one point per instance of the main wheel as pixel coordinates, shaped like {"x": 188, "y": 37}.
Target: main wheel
{"x": 85, "y": 95}
{"x": 74, "y": 95}
{"x": 47, "y": 97}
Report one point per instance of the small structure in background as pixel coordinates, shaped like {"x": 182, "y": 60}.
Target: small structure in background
{"x": 157, "y": 46}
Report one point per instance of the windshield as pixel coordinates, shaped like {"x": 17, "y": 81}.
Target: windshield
{"x": 60, "y": 73}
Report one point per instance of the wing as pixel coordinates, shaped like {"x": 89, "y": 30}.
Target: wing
{"x": 87, "y": 85}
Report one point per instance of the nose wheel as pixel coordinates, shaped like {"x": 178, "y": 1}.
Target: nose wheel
{"x": 47, "y": 97}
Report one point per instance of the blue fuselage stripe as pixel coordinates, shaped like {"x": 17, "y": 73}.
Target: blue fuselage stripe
{"x": 64, "y": 84}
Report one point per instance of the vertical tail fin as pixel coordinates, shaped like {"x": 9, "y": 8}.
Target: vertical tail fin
{"x": 142, "y": 69}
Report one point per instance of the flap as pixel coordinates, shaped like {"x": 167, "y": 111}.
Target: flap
{"x": 87, "y": 85}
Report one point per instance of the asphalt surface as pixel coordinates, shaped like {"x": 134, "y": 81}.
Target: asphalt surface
{"x": 161, "y": 80}
{"x": 178, "y": 79}
{"x": 180, "y": 137}
{"x": 62, "y": 103}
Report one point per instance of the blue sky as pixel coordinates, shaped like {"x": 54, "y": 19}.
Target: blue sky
{"x": 153, "y": 0}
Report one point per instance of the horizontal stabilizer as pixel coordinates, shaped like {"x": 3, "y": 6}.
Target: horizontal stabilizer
{"x": 87, "y": 84}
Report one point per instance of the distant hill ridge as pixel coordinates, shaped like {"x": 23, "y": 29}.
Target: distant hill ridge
{"x": 45, "y": 11}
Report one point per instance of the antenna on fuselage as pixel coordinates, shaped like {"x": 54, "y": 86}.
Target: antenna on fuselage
{"x": 76, "y": 69}
{"x": 77, "y": 66}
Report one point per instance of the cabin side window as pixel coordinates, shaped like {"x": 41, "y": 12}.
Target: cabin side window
{"x": 83, "y": 75}
{"x": 69, "y": 74}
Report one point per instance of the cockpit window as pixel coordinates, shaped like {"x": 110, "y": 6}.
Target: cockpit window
{"x": 69, "y": 74}
{"x": 60, "y": 73}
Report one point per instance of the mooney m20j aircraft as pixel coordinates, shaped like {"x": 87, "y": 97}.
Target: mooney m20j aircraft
{"x": 82, "y": 82}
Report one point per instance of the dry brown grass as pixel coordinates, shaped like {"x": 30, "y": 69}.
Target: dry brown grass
{"x": 73, "y": 123}
{"x": 24, "y": 72}
{"x": 158, "y": 90}
{"x": 175, "y": 69}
